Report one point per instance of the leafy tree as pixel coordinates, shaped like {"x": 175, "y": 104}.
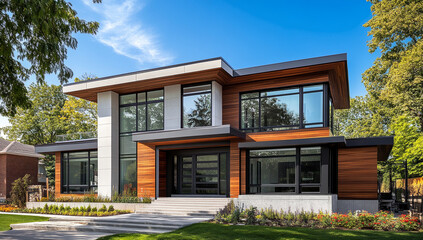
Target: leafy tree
{"x": 275, "y": 113}
{"x": 395, "y": 81}
{"x": 35, "y": 36}
{"x": 362, "y": 119}
{"x": 52, "y": 113}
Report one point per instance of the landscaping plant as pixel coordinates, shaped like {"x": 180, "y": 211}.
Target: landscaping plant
{"x": 75, "y": 211}
{"x": 385, "y": 221}
{"x": 19, "y": 188}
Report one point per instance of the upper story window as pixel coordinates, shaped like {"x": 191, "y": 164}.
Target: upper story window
{"x": 281, "y": 109}
{"x": 196, "y": 105}
{"x": 141, "y": 111}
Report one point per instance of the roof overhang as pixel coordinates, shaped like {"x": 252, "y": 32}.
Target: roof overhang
{"x": 74, "y": 145}
{"x": 192, "y": 134}
{"x": 34, "y": 155}
{"x": 217, "y": 69}
{"x": 383, "y": 144}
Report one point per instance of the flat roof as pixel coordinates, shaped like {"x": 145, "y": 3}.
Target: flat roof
{"x": 206, "y": 70}
{"x": 72, "y": 145}
{"x": 187, "y": 133}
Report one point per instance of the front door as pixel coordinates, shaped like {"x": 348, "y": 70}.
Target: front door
{"x": 203, "y": 173}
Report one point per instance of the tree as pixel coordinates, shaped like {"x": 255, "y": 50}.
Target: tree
{"x": 35, "y": 36}
{"x": 52, "y": 113}
{"x": 362, "y": 119}
{"x": 19, "y": 189}
{"x": 395, "y": 81}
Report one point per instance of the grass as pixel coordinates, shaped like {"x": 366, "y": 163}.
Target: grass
{"x": 7, "y": 219}
{"x": 221, "y": 232}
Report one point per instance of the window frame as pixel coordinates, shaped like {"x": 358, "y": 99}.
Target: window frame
{"x": 298, "y": 184}
{"x": 193, "y": 94}
{"x": 136, "y": 104}
{"x": 301, "y": 124}
{"x": 62, "y": 180}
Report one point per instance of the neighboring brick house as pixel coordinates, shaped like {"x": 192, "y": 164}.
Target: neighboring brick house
{"x": 16, "y": 160}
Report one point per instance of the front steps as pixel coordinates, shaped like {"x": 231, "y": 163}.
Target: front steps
{"x": 185, "y": 206}
{"x": 128, "y": 223}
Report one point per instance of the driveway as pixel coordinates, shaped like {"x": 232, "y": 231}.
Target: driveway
{"x": 49, "y": 235}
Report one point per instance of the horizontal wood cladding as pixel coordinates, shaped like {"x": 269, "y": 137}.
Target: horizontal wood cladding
{"x": 57, "y": 174}
{"x": 146, "y": 164}
{"x": 357, "y": 173}
{"x": 289, "y": 134}
{"x": 162, "y": 174}
{"x": 231, "y": 93}
{"x": 217, "y": 74}
{"x": 243, "y": 162}
{"x": 234, "y": 168}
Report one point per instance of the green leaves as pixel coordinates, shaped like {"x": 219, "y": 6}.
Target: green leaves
{"x": 36, "y": 32}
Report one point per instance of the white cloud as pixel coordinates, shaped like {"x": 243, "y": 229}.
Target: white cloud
{"x": 120, "y": 30}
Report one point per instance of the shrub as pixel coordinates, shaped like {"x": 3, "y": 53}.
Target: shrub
{"x": 235, "y": 216}
{"x": 251, "y": 215}
{"x": 19, "y": 188}
{"x": 111, "y": 209}
{"x": 103, "y": 208}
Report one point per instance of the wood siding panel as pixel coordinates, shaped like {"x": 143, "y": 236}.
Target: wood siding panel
{"x": 58, "y": 173}
{"x": 234, "y": 168}
{"x": 230, "y": 105}
{"x": 243, "y": 171}
{"x": 146, "y": 164}
{"x": 289, "y": 134}
{"x": 162, "y": 174}
{"x": 357, "y": 173}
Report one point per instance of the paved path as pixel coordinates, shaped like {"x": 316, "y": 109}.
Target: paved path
{"x": 49, "y": 235}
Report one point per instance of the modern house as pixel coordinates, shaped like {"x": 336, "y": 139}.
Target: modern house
{"x": 17, "y": 160}
{"x": 262, "y": 135}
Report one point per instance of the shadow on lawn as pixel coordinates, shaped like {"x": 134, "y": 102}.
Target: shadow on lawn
{"x": 216, "y": 231}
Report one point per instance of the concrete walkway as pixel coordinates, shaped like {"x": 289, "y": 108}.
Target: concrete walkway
{"x": 126, "y": 223}
{"x": 49, "y": 235}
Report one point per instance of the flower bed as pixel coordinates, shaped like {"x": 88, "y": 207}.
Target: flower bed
{"x": 7, "y": 208}
{"x": 76, "y": 211}
{"x": 269, "y": 217}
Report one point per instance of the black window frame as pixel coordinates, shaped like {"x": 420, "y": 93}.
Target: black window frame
{"x": 324, "y": 172}
{"x": 193, "y": 94}
{"x": 301, "y": 124}
{"x": 136, "y": 104}
{"x": 62, "y": 180}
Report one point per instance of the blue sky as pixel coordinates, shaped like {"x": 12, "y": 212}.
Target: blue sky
{"x": 141, "y": 34}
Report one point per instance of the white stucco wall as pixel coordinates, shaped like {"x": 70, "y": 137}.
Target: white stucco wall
{"x": 172, "y": 107}
{"x": 108, "y": 143}
{"x": 291, "y": 203}
{"x": 216, "y": 104}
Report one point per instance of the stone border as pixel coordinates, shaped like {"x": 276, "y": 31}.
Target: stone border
{"x": 118, "y": 206}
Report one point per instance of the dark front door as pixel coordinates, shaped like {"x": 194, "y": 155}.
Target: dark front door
{"x": 202, "y": 173}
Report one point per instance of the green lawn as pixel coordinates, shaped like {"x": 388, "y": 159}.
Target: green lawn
{"x": 7, "y": 219}
{"x": 221, "y": 232}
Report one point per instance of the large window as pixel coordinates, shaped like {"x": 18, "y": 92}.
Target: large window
{"x": 285, "y": 170}
{"x": 139, "y": 112}
{"x": 196, "y": 105}
{"x": 280, "y": 109}
{"x": 79, "y": 172}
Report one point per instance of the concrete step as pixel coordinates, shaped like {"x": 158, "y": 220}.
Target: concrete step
{"x": 138, "y": 222}
{"x": 135, "y": 225}
{"x": 66, "y": 226}
{"x": 205, "y": 214}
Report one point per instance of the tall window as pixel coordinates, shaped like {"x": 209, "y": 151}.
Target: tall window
{"x": 285, "y": 170}
{"x": 280, "y": 109}
{"x": 138, "y": 112}
{"x": 197, "y": 107}
{"x": 79, "y": 172}
{"x": 141, "y": 112}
